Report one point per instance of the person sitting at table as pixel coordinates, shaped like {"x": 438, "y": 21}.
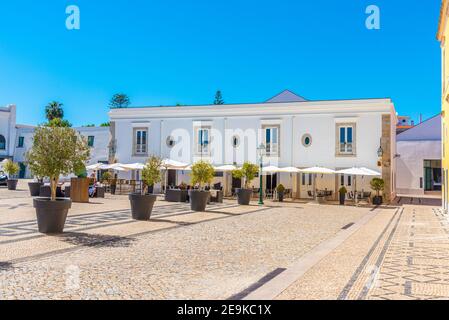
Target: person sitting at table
{"x": 92, "y": 187}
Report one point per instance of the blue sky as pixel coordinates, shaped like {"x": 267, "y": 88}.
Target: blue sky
{"x": 167, "y": 52}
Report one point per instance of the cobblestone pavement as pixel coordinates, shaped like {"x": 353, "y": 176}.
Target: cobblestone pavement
{"x": 403, "y": 256}
{"x": 178, "y": 254}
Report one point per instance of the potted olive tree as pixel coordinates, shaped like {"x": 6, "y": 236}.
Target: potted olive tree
{"x": 142, "y": 203}
{"x": 55, "y": 152}
{"x": 280, "y": 191}
{"x": 377, "y": 185}
{"x": 248, "y": 173}
{"x": 342, "y": 192}
{"x": 11, "y": 168}
{"x": 202, "y": 173}
{"x": 35, "y": 186}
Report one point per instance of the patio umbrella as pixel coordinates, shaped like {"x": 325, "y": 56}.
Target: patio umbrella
{"x": 271, "y": 169}
{"x": 173, "y": 164}
{"x": 133, "y": 166}
{"x": 370, "y": 172}
{"x": 315, "y": 171}
{"x": 358, "y": 172}
{"x": 169, "y": 164}
{"x": 94, "y": 167}
{"x": 226, "y": 168}
{"x": 290, "y": 170}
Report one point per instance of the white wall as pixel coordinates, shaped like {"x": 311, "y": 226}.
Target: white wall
{"x": 410, "y": 164}
{"x": 7, "y": 129}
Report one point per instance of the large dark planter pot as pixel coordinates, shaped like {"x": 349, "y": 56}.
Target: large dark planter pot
{"x": 244, "y": 196}
{"x": 12, "y": 184}
{"x": 280, "y": 196}
{"x": 51, "y": 215}
{"x": 342, "y": 199}
{"x": 35, "y": 188}
{"x": 198, "y": 200}
{"x": 141, "y": 205}
{"x": 377, "y": 201}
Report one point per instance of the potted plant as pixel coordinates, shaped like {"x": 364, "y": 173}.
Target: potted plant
{"x": 35, "y": 186}
{"x": 342, "y": 192}
{"x": 79, "y": 186}
{"x": 280, "y": 191}
{"x": 377, "y": 185}
{"x": 55, "y": 152}
{"x": 105, "y": 177}
{"x": 248, "y": 173}
{"x": 11, "y": 168}
{"x": 142, "y": 203}
{"x": 202, "y": 173}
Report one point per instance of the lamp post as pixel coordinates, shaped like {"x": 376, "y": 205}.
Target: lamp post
{"x": 261, "y": 151}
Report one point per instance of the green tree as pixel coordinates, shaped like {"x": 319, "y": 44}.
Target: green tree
{"x": 58, "y": 122}
{"x": 54, "y": 110}
{"x": 89, "y": 126}
{"x": 202, "y": 173}
{"x": 11, "y": 168}
{"x": 377, "y": 185}
{"x": 106, "y": 124}
{"x": 151, "y": 173}
{"x": 56, "y": 151}
{"x": 247, "y": 172}
{"x": 119, "y": 100}
{"x": 218, "y": 98}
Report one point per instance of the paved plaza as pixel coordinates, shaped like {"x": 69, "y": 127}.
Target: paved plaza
{"x": 276, "y": 251}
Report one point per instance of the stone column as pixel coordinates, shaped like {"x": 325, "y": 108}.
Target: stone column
{"x": 386, "y": 158}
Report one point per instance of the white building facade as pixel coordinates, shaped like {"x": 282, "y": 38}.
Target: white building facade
{"x": 419, "y": 159}
{"x": 18, "y": 139}
{"x": 332, "y": 134}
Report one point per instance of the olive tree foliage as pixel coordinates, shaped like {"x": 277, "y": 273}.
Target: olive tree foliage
{"x": 11, "y": 168}
{"x": 151, "y": 173}
{"x": 202, "y": 173}
{"x": 248, "y": 172}
{"x": 56, "y": 151}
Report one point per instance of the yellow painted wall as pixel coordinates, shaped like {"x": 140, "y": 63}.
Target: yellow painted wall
{"x": 443, "y": 37}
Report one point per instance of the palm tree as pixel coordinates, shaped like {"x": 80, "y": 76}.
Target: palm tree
{"x": 54, "y": 110}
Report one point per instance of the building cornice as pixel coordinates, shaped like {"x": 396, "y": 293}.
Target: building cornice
{"x": 443, "y": 20}
{"x": 261, "y": 110}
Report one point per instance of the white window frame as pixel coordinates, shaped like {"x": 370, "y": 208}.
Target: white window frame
{"x": 140, "y": 149}
{"x": 346, "y": 146}
{"x": 272, "y": 148}
{"x": 202, "y": 140}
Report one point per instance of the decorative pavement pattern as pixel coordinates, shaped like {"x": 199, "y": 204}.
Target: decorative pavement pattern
{"x": 409, "y": 260}
{"x": 25, "y": 230}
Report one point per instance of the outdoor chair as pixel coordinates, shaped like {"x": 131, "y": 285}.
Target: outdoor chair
{"x": 218, "y": 198}
{"x": 100, "y": 192}
{"x": 176, "y": 195}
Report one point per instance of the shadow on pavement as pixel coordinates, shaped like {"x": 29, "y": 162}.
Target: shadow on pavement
{"x": 96, "y": 240}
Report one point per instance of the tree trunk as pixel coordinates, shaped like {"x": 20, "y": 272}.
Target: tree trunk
{"x": 53, "y": 186}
